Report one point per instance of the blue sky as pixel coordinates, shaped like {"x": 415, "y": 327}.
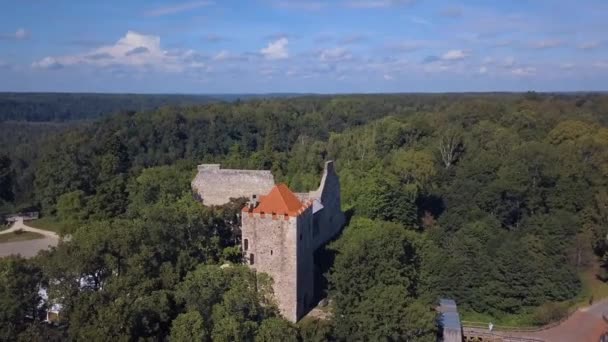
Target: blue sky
{"x": 325, "y": 46}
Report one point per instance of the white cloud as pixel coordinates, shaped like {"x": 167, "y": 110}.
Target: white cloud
{"x": 452, "y": 12}
{"x": 133, "y": 50}
{"x": 177, "y": 8}
{"x": 601, "y": 64}
{"x": 353, "y": 39}
{"x": 589, "y": 45}
{"x": 566, "y": 66}
{"x": 488, "y": 60}
{"x": 335, "y": 55}
{"x": 222, "y": 55}
{"x": 376, "y": 3}
{"x": 20, "y": 34}
{"x": 408, "y": 46}
{"x": 276, "y": 50}
{"x": 47, "y": 63}
{"x": 509, "y": 62}
{"x": 454, "y": 55}
{"x": 387, "y": 77}
{"x": 547, "y": 44}
{"x": 524, "y": 71}
{"x": 483, "y": 70}
{"x": 300, "y": 5}
{"x": 420, "y": 21}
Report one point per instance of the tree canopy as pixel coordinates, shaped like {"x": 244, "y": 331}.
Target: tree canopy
{"x": 498, "y": 201}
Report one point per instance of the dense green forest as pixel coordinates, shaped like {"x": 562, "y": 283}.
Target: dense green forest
{"x": 496, "y": 200}
{"x": 70, "y": 106}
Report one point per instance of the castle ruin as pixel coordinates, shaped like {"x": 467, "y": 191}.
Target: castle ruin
{"x": 281, "y": 230}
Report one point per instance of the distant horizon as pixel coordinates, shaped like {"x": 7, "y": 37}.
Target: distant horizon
{"x": 489, "y": 92}
{"x": 295, "y": 46}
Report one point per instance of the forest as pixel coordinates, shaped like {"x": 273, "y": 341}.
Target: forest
{"x": 499, "y": 201}
{"x": 61, "y": 107}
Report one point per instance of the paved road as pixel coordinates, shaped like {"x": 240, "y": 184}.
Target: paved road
{"x": 585, "y": 325}
{"x": 28, "y": 248}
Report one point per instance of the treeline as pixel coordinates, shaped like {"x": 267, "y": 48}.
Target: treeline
{"x": 60, "y": 107}
{"x": 498, "y": 201}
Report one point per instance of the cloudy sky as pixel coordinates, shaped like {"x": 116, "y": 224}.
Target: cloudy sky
{"x": 326, "y": 46}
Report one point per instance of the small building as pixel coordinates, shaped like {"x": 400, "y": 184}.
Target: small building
{"x": 29, "y": 216}
{"x": 449, "y": 321}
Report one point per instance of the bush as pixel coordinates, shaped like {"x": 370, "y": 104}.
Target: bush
{"x": 549, "y": 313}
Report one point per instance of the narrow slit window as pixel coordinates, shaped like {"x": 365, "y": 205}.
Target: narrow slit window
{"x": 271, "y": 252}
{"x": 251, "y": 259}
{"x": 246, "y": 244}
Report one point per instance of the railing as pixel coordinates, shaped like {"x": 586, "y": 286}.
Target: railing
{"x": 494, "y": 336}
{"x": 482, "y": 325}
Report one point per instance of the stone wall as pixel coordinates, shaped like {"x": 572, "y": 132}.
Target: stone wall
{"x": 278, "y": 251}
{"x": 330, "y": 219}
{"x": 216, "y": 186}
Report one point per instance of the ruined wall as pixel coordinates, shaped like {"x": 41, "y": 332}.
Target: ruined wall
{"x": 276, "y": 247}
{"x": 330, "y": 219}
{"x": 215, "y": 186}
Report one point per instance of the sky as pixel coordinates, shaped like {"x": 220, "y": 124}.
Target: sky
{"x": 314, "y": 46}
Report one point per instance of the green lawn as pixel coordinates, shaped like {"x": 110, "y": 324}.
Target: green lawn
{"x": 520, "y": 320}
{"x": 19, "y": 236}
{"x": 47, "y": 223}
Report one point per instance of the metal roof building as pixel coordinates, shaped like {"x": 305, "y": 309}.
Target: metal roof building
{"x": 449, "y": 321}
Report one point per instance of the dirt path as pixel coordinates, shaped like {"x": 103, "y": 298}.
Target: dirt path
{"x": 29, "y": 248}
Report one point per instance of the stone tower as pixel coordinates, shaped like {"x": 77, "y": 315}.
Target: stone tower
{"x": 277, "y": 240}
{"x": 281, "y": 230}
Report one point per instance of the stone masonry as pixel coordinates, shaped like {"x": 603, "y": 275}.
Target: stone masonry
{"x": 215, "y": 186}
{"x": 281, "y": 230}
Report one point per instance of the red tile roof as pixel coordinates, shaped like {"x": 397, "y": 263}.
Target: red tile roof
{"x": 280, "y": 201}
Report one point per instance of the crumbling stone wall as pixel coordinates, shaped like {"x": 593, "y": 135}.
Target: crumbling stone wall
{"x": 332, "y": 220}
{"x": 215, "y": 186}
{"x": 329, "y": 219}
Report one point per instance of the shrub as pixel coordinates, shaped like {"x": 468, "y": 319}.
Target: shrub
{"x": 549, "y": 313}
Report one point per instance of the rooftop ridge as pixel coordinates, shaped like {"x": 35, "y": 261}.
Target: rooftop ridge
{"x": 280, "y": 201}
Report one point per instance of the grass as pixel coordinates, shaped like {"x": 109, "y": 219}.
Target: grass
{"x": 524, "y": 319}
{"x": 49, "y": 223}
{"x": 591, "y": 287}
{"x": 19, "y": 236}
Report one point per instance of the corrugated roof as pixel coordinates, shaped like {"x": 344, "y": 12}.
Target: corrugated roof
{"x": 450, "y": 320}
{"x": 449, "y": 314}
{"x": 447, "y": 303}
